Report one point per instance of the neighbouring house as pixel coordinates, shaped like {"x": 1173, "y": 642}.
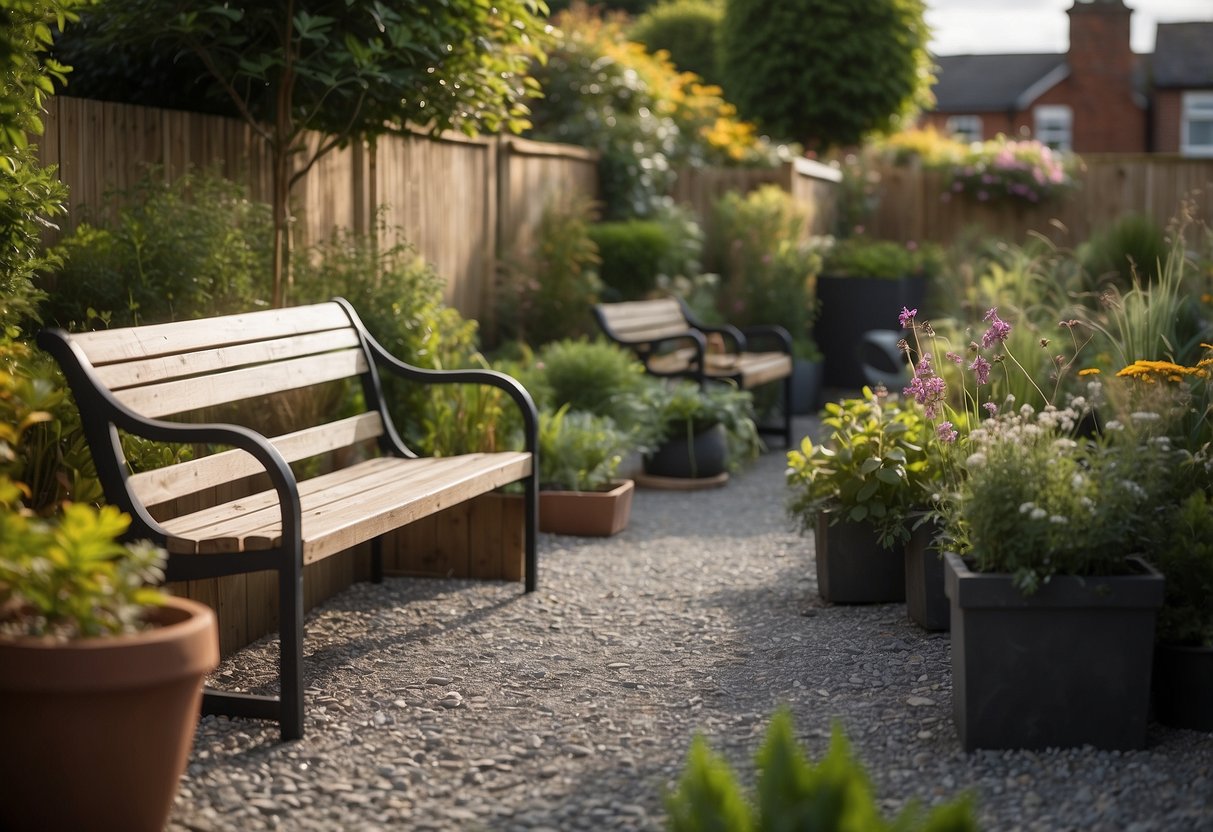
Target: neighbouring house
{"x": 1098, "y": 97}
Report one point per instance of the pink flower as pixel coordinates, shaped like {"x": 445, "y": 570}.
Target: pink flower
{"x": 999, "y": 329}
{"x": 953, "y": 357}
{"x": 906, "y": 316}
{"x": 926, "y": 388}
{"x": 946, "y": 432}
{"x": 981, "y": 368}
{"x": 991, "y": 408}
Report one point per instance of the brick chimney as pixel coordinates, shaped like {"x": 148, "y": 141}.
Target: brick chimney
{"x": 1108, "y": 117}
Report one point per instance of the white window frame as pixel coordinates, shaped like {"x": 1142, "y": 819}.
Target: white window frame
{"x": 965, "y": 127}
{"x": 1053, "y": 125}
{"x": 1197, "y": 107}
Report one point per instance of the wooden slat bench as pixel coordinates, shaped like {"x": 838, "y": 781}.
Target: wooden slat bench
{"x": 151, "y": 381}
{"x": 672, "y": 343}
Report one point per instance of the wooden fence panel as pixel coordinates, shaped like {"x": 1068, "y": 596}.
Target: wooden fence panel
{"x": 915, "y": 204}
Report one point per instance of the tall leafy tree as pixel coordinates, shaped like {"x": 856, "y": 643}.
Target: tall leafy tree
{"x": 826, "y": 72}
{"x": 350, "y": 69}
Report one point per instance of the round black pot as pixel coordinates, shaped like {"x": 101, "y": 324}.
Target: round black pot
{"x": 706, "y": 455}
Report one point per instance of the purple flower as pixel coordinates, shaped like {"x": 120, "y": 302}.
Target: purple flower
{"x": 999, "y": 329}
{"x": 953, "y": 357}
{"x": 981, "y": 368}
{"x": 926, "y": 388}
{"x": 991, "y": 408}
{"x": 946, "y": 432}
{"x": 906, "y": 316}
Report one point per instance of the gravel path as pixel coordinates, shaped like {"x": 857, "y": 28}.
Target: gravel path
{"x": 451, "y": 705}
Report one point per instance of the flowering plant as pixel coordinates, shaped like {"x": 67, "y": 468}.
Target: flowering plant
{"x": 1003, "y": 168}
{"x": 871, "y": 467}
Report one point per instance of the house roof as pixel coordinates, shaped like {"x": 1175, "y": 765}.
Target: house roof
{"x": 990, "y": 83}
{"x": 1183, "y": 55}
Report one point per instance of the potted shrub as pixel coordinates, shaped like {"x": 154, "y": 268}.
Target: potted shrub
{"x": 579, "y": 455}
{"x": 855, "y": 490}
{"x": 863, "y": 284}
{"x": 1183, "y": 655}
{"x": 1052, "y": 616}
{"x": 701, "y": 433}
{"x": 100, "y": 676}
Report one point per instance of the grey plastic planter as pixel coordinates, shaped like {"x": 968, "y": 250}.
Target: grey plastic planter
{"x": 926, "y": 603}
{"x": 705, "y": 455}
{"x": 852, "y": 566}
{"x": 1067, "y": 666}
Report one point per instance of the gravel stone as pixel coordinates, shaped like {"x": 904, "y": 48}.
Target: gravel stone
{"x": 457, "y": 705}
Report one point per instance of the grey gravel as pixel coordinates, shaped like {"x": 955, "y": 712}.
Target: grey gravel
{"x": 457, "y": 705}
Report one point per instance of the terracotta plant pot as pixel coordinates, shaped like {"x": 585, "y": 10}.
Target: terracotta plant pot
{"x": 96, "y": 732}
{"x": 1064, "y": 667}
{"x": 587, "y": 513}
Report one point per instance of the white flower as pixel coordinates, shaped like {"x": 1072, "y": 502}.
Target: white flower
{"x": 1144, "y": 416}
{"x": 1038, "y": 514}
{"x": 1058, "y": 520}
{"x": 975, "y": 460}
{"x": 1026, "y": 507}
{"x": 1114, "y": 425}
{"x": 1077, "y": 482}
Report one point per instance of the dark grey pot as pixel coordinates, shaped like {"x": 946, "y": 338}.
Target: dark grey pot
{"x": 1067, "y": 666}
{"x": 926, "y": 603}
{"x": 706, "y": 455}
{"x": 1183, "y": 686}
{"x": 850, "y": 306}
{"x": 852, "y": 566}
{"x": 806, "y": 386}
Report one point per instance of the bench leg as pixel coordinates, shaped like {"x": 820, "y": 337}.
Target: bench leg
{"x": 377, "y": 560}
{"x": 787, "y": 411}
{"x": 290, "y": 636}
{"x": 531, "y": 506}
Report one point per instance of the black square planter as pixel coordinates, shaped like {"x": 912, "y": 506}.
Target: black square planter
{"x": 1183, "y": 686}
{"x": 852, "y": 566}
{"x": 1067, "y": 666}
{"x": 926, "y": 603}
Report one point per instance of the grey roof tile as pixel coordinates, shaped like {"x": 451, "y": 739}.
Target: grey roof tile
{"x": 987, "y": 83}
{"x": 1183, "y": 55}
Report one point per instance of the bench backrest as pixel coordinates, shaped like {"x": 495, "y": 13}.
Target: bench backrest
{"x": 175, "y": 369}
{"x": 642, "y": 320}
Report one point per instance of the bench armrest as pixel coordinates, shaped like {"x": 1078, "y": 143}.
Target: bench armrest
{"x": 729, "y": 331}
{"x": 773, "y": 333}
{"x": 103, "y": 415}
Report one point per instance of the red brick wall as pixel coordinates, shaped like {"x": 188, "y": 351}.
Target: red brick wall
{"x": 1107, "y": 119}
{"x": 1168, "y": 111}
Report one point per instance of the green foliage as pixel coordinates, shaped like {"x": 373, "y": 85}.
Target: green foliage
{"x": 546, "y": 295}
{"x": 683, "y": 409}
{"x": 826, "y": 72}
{"x": 769, "y": 271}
{"x": 30, "y": 198}
{"x": 1186, "y": 558}
{"x": 26, "y": 34}
{"x": 865, "y": 257}
{"x": 794, "y": 794}
{"x": 605, "y": 92}
{"x": 688, "y": 30}
{"x": 633, "y": 254}
{"x": 579, "y": 451}
{"x": 71, "y": 578}
{"x": 873, "y": 466}
{"x": 175, "y": 250}
{"x": 1133, "y": 246}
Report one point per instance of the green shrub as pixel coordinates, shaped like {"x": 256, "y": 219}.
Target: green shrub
{"x": 633, "y": 254}
{"x": 769, "y": 273}
{"x": 32, "y": 197}
{"x": 547, "y": 294}
{"x": 792, "y": 793}
{"x": 579, "y": 451}
{"x": 865, "y": 257}
{"x": 688, "y": 30}
{"x": 596, "y": 377}
{"x": 683, "y": 409}
{"x": 1186, "y": 558}
{"x": 184, "y": 249}
{"x": 1131, "y": 246}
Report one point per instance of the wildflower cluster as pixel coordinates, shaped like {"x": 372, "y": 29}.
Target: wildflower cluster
{"x": 1002, "y": 168}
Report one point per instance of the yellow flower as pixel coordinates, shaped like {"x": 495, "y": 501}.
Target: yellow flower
{"x": 1089, "y": 371}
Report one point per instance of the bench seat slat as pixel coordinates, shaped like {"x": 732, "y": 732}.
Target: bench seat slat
{"x": 188, "y": 394}
{"x": 350, "y": 506}
{"x": 171, "y": 482}
{"x": 168, "y": 367}
{"x": 750, "y": 368}
{"x": 128, "y": 343}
